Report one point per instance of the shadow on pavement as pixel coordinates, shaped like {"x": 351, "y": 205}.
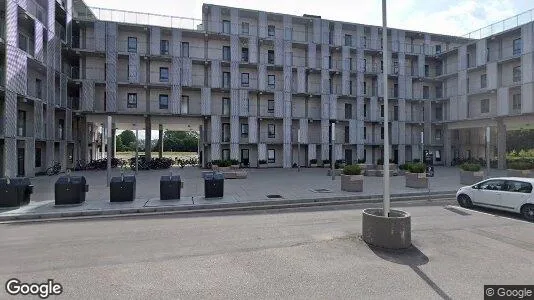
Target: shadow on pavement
{"x": 412, "y": 257}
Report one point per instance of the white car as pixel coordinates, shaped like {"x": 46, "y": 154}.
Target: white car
{"x": 512, "y": 194}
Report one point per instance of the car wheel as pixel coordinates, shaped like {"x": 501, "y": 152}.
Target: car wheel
{"x": 464, "y": 201}
{"x": 528, "y": 212}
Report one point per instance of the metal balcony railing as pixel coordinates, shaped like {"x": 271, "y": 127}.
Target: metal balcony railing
{"x": 517, "y": 20}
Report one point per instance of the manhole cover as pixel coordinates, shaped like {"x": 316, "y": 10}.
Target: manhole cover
{"x": 274, "y": 196}
{"x": 322, "y": 190}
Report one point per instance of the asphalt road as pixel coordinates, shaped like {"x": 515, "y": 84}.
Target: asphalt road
{"x": 299, "y": 254}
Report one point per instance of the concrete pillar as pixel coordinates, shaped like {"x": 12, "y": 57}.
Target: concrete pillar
{"x": 160, "y": 133}
{"x": 148, "y": 138}
{"x": 114, "y": 140}
{"x": 501, "y": 145}
{"x": 447, "y": 147}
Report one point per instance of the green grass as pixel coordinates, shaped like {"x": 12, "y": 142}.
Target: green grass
{"x": 127, "y": 155}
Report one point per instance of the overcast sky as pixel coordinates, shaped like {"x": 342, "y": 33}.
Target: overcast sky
{"x": 456, "y": 17}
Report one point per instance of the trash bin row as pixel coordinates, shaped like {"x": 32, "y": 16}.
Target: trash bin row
{"x": 72, "y": 189}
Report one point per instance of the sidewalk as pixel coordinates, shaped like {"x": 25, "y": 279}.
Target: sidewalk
{"x": 308, "y": 185}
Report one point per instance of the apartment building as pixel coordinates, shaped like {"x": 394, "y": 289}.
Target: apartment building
{"x": 249, "y": 81}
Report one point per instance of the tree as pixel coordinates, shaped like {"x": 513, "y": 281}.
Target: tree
{"x": 128, "y": 140}
{"x": 180, "y": 141}
{"x": 118, "y": 144}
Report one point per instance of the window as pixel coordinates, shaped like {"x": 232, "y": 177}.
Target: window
{"x": 426, "y": 92}
{"x": 427, "y": 71}
{"x": 226, "y": 53}
{"x": 519, "y": 187}
{"x": 347, "y": 135}
{"x": 517, "y": 74}
{"x": 382, "y": 110}
{"x": 271, "y": 156}
{"x": 164, "y": 74}
{"x": 467, "y": 84}
{"x": 270, "y": 80}
{"x": 226, "y": 26}
{"x": 270, "y": 57}
{"x": 494, "y": 185}
{"x": 350, "y": 63}
{"x": 226, "y": 132}
{"x": 438, "y": 155}
{"x": 364, "y": 42}
{"x": 438, "y": 49}
{"x": 483, "y": 83}
{"x": 271, "y": 131}
{"x": 365, "y": 110}
{"x": 132, "y": 100}
{"x": 437, "y": 135}
{"x": 244, "y": 54}
{"x": 270, "y": 30}
{"x": 244, "y": 79}
{"x": 185, "y": 49}
{"x": 163, "y": 101}
{"x": 331, "y": 86}
{"x": 516, "y": 102}
{"x": 348, "y": 40}
{"x": 330, "y": 62}
{"x": 226, "y": 154}
{"x": 395, "y": 90}
{"x": 350, "y": 87}
{"x": 21, "y": 123}
{"x": 226, "y": 80}
{"x": 484, "y": 106}
{"x": 164, "y": 47}
{"x": 439, "y": 112}
{"x": 132, "y": 44}
{"x": 270, "y": 106}
{"x": 244, "y": 130}
{"x": 38, "y": 88}
{"x": 439, "y": 92}
{"x": 365, "y": 133}
{"x": 364, "y": 65}
{"x": 365, "y": 88}
{"x": 382, "y": 132}
{"x": 226, "y": 106}
{"x": 244, "y": 28}
{"x": 348, "y": 111}
{"x": 395, "y": 113}
{"x": 517, "y": 46}
{"x": 37, "y": 157}
{"x": 184, "y": 105}
{"x": 248, "y": 105}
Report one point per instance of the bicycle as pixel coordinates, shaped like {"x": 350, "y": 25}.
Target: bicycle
{"x": 54, "y": 169}
{"x": 80, "y": 165}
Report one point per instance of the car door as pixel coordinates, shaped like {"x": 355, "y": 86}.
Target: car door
{"x": 488, "y": 192}
{"x": 515, "y": 195}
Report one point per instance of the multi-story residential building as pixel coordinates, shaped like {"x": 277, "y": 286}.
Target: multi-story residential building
{"x": 248, "y": 81}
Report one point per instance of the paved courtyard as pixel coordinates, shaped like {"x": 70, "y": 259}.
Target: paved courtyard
{"x": 289, "y": 184}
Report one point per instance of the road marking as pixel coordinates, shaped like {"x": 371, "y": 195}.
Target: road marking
{"x": 489, "y": 214}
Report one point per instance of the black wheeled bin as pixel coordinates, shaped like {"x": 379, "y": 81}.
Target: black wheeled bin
{"x": 169, "y": 187}
{"x": 122, "y": 189}
{"x": 214, "y": 185}
{"x": 15, "y": 192}
{"x": 70, "y": 190}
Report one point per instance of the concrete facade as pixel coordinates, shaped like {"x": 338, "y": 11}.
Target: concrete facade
{"x": 248, "y": 81}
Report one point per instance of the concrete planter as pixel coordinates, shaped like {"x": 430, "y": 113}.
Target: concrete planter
{"x": 337, "y": 172}
{"x": 313, "y": 165}
{"x": 215, "y": 167}
{"x": 351, "y": 183}
{"x": 392, "y": 232}
{"x": 234, "y": 167}
{"x": 520, "y": 173}
{"x": 326, "y": 165}
{"x": 416, "y": 180}
{"x": 469, "y": 177}
{"x": 263, "y": 166}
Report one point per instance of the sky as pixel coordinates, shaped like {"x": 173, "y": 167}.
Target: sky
{"x": 455, "y": 17}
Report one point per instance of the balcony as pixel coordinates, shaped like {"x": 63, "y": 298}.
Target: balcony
{"x": 27, "y": 44}
{"x": 60, "y": 32}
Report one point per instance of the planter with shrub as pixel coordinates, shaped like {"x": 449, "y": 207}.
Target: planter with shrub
{"x": 416, "y": 176}
{"x": 234, "y": 164}
{"x": 351, "y": 179}
{"x": 402, "y": 169}
{"x": 470, "y": 173}
{"x": 326, "y": 163}
{"x": 313, "y": 163}
{"x": 262, "y": 163}
{"x": 521, "y": 168}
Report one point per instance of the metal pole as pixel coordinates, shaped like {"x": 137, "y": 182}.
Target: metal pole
{"x": 422, "y": 145}
{"x": 488, "y": 137}
{"x": 332, "y": 151}
{"x": 136, "y": 151}
{"x": 386, "y": 103}
{"x": 298, "y": 149}
{"x": 110, "y": 142}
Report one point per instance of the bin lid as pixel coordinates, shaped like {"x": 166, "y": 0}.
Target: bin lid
{"x": 73, "y": 179}
{"x": 16, "y": 181}
{"x": 127, "y": 178}
{"x": 169, "y": 178}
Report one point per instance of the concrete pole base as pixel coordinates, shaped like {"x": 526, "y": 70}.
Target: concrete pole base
{"x": 393, "y": 232}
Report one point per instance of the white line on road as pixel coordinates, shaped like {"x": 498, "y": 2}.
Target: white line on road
{"x": 485, "y": 213}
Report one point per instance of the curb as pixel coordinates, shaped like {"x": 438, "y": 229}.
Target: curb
{"x": 228, "y": 207}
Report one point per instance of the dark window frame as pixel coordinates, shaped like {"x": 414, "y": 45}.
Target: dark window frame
{"x": 226, "y": 133}
{"x": 132, "y": 48}
{"x": 483, "y": 105}
{"x": 226, "y": 83}
{"x": 516, "y": 74}
{"x": 185, "y": 45}
{"x": 270, "y": 106}
{"x": 245, "y": 79}
{"x": 163, "y": 105}
{"x": 271, "y": 30}
{"x": 131, "y": 100}
{"x": 348, "y": 111}
{"x": 226, "y": 103}
{"x": 244, "y": 130}
{"x": 271, "y": 131}
{"x": 517, "y": 46}
{"x": 270, "y": 57}
{"x": 184, "y": 99}
{"x": 226, "y": 26}
{"x": 226, "y": 53}
{"x": 162, "y": 77}
{"x": 269, "y": 159}
{"x": 164, "y": 47}
{"x": 273, "y": 84}
{"x": 243, "y": 26}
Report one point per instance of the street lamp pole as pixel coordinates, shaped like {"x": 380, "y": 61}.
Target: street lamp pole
{"x": 136, "y": 150}
{"x": 298, "y": 149}
{"x": 488, "y": 137}
{"x": 332, "y": 151}
{"x": 110, "y": 142}
{"x": 386, "y": 110}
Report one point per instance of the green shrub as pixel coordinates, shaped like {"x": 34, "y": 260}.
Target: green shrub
{"x": 352, "y": 170}
{"x": 416, "y": 168}
{"x": 234, "y": 161}
{"x": 313, "y": 161}
{"x": 380, "y": 161}
{"x": 224, "y": 163}
{"x": 402, "y": 167}
{"x": 326, "y": 162}
{"x": 361, "y": 161}
{"x": 416, "y": 160}
{"x": 470, "y": 167}
{"x": 215, "y": 162}
{"x": 520, "y": 165}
